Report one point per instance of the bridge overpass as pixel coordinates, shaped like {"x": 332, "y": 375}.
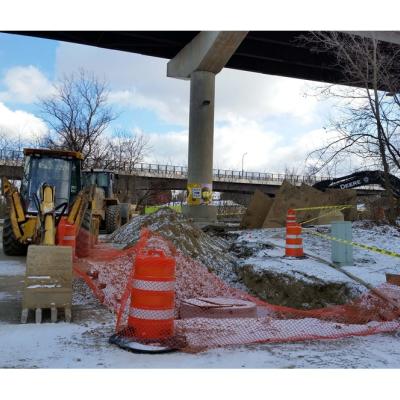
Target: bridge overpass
{"x": 156, "y": 177}
{"x": 198, "y": 56}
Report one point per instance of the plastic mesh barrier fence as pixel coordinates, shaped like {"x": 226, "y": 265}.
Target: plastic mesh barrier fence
{"x": 109, "y": 272}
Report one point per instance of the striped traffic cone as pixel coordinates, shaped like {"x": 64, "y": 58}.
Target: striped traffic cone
{"x": 291, "y": 217}
{"x": 151, "y": 313}
{"x": 294, "y": 241}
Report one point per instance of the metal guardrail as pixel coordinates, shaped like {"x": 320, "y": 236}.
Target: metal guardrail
{"x": 15, "y": 158}
{"x": 11, "y": 157}
{"x": 218, "y": 174}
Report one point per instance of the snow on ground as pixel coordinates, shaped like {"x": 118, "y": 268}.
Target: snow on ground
{"x": 84, "y": 343}
{"x": 11, "y": 268}
{"x": 85, "y": 346}
{"x": 368, "y": 266}
{"x": 5, "y": 296}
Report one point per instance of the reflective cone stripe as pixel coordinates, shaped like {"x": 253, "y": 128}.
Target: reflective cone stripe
{"x": 157, "y": 286}
{"x": 151, "y": 314}
{"x": 294, "y": 242}
{"x": 291, "y": 217}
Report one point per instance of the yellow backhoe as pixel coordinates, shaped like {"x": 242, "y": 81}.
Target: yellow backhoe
{"x": 46, "y": 217}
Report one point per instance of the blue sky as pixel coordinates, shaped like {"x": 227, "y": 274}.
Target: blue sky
{"x": 267, "y": 117}
{"x": 18, "y": 50}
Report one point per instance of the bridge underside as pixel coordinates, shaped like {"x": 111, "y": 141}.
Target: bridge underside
{"x": 268, "y": 52}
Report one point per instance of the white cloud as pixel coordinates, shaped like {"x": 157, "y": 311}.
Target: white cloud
{"x": 168, "y": 148}
{"x": 20, "y": 124}
{"x": 134, "y": 99}
{"x": 267, "y": 151}
{"x": 141, "y": 82}
{"x": 245, "y": 103}
{"x": 24, "y": 84}
{"x": 257, "y": 96}
{"x": 136, "y": 81}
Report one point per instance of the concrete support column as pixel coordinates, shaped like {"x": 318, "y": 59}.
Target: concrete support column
{"x": 201, "y": 142}
{"x": 200, "y": 60}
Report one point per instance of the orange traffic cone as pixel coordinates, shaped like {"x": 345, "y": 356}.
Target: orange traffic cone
{"x": 151, "y": 314}
{"x": 294, "y": 241}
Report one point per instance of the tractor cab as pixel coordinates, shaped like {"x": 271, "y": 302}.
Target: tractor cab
{"x": 59, "y": 169}
{"x": 102, "y": 178}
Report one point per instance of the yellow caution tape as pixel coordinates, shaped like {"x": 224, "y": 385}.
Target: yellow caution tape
{"x": 323, "y": 215}
{"x": 321, "y": 207}
{"x": 360, "y": 245}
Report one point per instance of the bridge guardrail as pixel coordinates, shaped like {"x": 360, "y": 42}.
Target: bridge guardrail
{"x": 15, "y": 158}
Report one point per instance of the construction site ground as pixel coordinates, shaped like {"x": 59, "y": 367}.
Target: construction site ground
{"x": 84, "y": 342}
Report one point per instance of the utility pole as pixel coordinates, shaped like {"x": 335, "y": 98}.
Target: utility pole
{"x": 242, "y": 162}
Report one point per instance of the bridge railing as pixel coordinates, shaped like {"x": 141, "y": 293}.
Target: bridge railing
{"x": 11, "y": 157}
{"x": 15, "y": 158}
{"x": 222, "y": 174}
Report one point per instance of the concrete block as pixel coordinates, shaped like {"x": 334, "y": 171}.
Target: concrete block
{"x": 48, "y": 279}
{"x": 201, "y": 213}
{"x": 342, "y": 254}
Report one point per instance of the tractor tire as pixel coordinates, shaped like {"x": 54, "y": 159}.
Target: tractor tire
{"x": 11, "y": 245}
{"x": 113, "y": 219}
{"x": 83, "y": 242}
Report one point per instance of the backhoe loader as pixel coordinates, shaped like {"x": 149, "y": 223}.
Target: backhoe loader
{"x": 111, "y": 214}
{"x": 46, "y": 217}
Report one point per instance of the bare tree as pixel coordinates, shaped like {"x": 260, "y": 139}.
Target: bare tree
{"x": 122, "y": 151}
{"x": 5, "y": 141}
{"x": 12, "y": 144}
{"x": 77, "y": 113}
{"x": 365, "y": 125}
{"x": 291, "y": 174}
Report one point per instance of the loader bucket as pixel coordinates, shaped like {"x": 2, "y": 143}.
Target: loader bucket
{"x": 48, "y": 282}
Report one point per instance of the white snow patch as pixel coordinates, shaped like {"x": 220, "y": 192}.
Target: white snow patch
{"x": 369, "y": 266}
{"x": 64, "y": 345}
{"x": 43, "y": 286}
{"x": 12, "y": 268}
{"x": 5, "y": 296}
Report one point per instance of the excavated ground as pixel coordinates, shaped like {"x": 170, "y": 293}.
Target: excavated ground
{"x": 294, "y": 283}
{"x": 252, "y": 265}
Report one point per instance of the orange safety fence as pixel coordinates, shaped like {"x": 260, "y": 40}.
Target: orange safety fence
{"x": 109, "y": 272}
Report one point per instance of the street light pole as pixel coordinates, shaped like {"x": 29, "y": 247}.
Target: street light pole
{"x": 242, "y": 162}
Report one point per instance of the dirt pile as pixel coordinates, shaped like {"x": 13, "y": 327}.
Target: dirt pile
{"x": 211, "y": 251}
{"x": 264, "y": 212}
{"x": 257, "y": 211}
{"x": 290, "y": 196}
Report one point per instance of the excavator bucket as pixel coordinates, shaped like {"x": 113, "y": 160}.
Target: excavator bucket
{"x": 48, "y": 282}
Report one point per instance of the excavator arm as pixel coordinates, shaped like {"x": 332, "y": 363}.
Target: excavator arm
{"x": 361, "y": 178}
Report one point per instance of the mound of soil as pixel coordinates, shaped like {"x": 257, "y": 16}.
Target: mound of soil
{"x": 211, "y": 251}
